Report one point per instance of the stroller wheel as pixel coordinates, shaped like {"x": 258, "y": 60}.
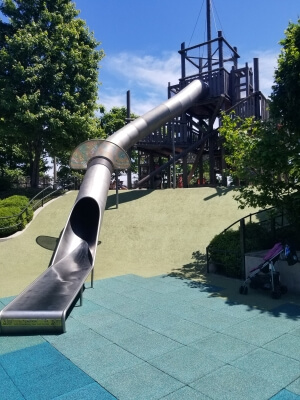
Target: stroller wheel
{"x": 283, "y": 289}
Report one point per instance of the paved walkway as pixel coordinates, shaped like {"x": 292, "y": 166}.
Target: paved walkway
{"x": 161, "y": 338}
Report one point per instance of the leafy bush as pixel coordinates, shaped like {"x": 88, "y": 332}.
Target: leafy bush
{"x": 225, "y": 248}
{"x": 225, "y": 253}
{"x": 12, "y": 219}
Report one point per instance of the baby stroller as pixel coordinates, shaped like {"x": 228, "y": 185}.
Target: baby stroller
{"x": 265, "y": 276}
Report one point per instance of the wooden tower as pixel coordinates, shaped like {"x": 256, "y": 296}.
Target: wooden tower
{"x": 193, "y": 139}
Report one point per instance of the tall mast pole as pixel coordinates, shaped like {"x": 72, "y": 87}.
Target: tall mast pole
{"x": 208, "y": 19}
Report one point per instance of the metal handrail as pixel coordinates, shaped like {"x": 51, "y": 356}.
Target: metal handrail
{"x": 34, "y": 207}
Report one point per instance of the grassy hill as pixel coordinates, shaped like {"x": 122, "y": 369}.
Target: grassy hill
{"x": 150, "y": 233}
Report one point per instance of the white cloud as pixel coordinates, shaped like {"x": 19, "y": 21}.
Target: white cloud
{"x": 146, "y": 77}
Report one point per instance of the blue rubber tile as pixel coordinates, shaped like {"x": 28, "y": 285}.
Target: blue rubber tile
{"x": 286, "y": 345}
{"x": 259, "y": 330}
{"x": 141, "y": 382}
{"x": 9, "y": 391}
{"x": 274, "y": 367}
{"x": 184, "y": 331}
{"x": 285, "y": 395}
{"x": 223, "y": 347}
{"x": 79, "y": 343}
{"x": 186, "y": 364}
{"x": 148, "y": 345}
{"x": 106, "y": 361}
{"x": 30, "y": 359}
{"x": 89, "y": 392}
{"x": 51, "y": 381}
{"x": 230, "y": 383}
{"x": 294, "y": 387}
{"x": 186, "y": 393}
{"x": 9, "y": 344}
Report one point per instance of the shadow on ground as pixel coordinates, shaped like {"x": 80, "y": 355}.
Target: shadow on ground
{"x": 196, "y": 276}
{"x": 125, "y": 197}
{"x": 220, "y": 191}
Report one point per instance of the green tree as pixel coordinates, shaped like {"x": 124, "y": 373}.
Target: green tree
{"x": 285, "y": 97}
{"x": 48, "y": 78}
{"x": 265, "y": 155}
{"x": 114, "y": 120}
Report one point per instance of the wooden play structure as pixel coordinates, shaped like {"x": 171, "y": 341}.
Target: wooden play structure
{"x": 192, "y": 140}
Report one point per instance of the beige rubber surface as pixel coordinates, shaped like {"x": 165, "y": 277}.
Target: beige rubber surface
{"x": 150, "y": 233}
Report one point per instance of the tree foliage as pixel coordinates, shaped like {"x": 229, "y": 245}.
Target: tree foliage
{"x": 264, "y": 155}
{"x": 114, "y": 120}
{"x": 48, "y": 78}
{"x": 285, "y": 103}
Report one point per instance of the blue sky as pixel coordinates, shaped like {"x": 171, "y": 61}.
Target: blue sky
{"x": 141, "y": 40}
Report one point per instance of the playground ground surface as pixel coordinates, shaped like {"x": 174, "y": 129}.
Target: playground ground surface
{"x": 155, "y": 325}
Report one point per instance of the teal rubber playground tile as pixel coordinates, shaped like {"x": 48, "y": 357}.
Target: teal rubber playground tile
{"x": 186, "y": 393}
{"x": 285, "y": 395}
{"x": 7, "y": 300}
{"x": 87, "y": 307}
{"x": 211, "y": 319}
{"x": 223, "y": 347}
{"x": 274, "y": 367}
{"x": 9, "y": 344}
{"x": 100, "y": 319}
{"x": 230, "y": 383}
{"x": 106, "y": 361}
{"x": 148, "y": 345}
{"x": 259, "y": 330}
{"x": 114, "y": 285}
{"x": 294, "y": 387}
{"x": 183, "y": 331}
{"x": 286, "y": 345}
{"x": 79, "y": 343}
{"x": 88, "y": 392}
{"x": 141, "y": 382}
{"x": 51, "y": 381}
{"x": 186, "y": 364}
{"x": 237, "y": 310}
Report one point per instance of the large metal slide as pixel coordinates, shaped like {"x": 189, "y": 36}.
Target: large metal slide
{"x": 44, "y": 305}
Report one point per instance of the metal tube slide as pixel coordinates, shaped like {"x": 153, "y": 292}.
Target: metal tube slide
{"x": 42, "y": 307}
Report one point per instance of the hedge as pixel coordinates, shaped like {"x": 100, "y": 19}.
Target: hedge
{"x": 224, "y": 250}
{"x": 12, "y": 219}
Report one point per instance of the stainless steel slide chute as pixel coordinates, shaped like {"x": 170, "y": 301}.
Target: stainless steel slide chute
{"x": 43, "y": 306}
